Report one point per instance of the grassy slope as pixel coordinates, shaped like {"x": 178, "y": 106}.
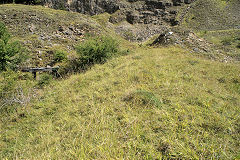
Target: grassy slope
{"x": 39, "y": 29}
{"x": 151, "y": 104}
{"x": 220, "y": 37}
{"x": 213, "y": 15}
{"x": 215, "y": 21}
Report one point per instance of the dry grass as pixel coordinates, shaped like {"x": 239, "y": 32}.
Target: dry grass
{"x": 153, "y": 104}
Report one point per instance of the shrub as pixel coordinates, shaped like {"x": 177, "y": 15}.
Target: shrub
{"x": 227, "y": 41}
{"x": 44, "y": 80}
{"x": 96, "y": 50}
{"x": 238, "y": 45}
{"x": 4, "y": 35}
{"x": 11, "y": 53}
{"x": 59, "y": 56}
{"x": 61, "y": 6}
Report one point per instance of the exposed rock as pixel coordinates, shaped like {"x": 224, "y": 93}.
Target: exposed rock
{"x": 183, "y": 38}
{"x": 166, "y": 38}
{"x": 117, "y": 17}
{"x": 139, "y": 32}
{"x": 135, "y": 11}
{"x": 91, "y": 7}
{"x": 32, "y": 28}
{"x": 147, "y": 17}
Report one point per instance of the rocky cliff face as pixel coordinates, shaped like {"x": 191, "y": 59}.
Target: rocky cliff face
{"x": 91, "y": 7}
{"x": 136, "y": 20}
{"x": 134, "y": 11}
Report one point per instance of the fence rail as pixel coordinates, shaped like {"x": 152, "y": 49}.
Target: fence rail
{"x": 41, "y": 69}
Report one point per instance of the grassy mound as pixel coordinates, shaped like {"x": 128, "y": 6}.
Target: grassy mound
{"x": 153, "y": 104}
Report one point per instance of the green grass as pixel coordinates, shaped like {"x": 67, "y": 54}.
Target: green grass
{"x": 152, "y": 104}
{"x": 155, "y": 103}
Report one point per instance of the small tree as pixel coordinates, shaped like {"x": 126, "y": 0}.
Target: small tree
{"x": 11, "y": 53}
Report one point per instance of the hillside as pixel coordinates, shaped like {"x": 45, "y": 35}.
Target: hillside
{"x": 43, "y": 30}
{"x": 177, "y": 98}
{"x": 153, "y": 104}
{"x": 217, "y": 22}
{"x": 213, "y": 15}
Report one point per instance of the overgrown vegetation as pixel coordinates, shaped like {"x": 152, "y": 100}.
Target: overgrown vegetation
{"x": 15, "y": 93}
{"x": 11, "y": 53}
{"x": 96, "y": 50}
{"x": 227, "y": 41}
{"x": 59, "y": 56}
{"x": 213, "y": 15}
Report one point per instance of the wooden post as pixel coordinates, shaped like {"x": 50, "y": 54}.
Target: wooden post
{"x": 34, "y": 75}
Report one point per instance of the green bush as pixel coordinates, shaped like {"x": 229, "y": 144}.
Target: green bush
{"x": 96, "y": 50}
{"x": 11, "y": 53}
{"x": 59, "y": 56}
{"x": 4, "y": 35}
{"x": 227, "y": 41}
{"x": 61, "y": 6}
{"x": 44, "y": 80}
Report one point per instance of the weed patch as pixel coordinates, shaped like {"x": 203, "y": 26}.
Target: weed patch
{"x": 143, "y": 98}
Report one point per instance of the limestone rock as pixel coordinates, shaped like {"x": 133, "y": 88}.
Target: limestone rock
{"x": 134, "y": 11}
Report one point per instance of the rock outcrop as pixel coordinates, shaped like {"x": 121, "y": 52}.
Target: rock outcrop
{"x": 134, "y": 11}
{"x": 137, "y": 20}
